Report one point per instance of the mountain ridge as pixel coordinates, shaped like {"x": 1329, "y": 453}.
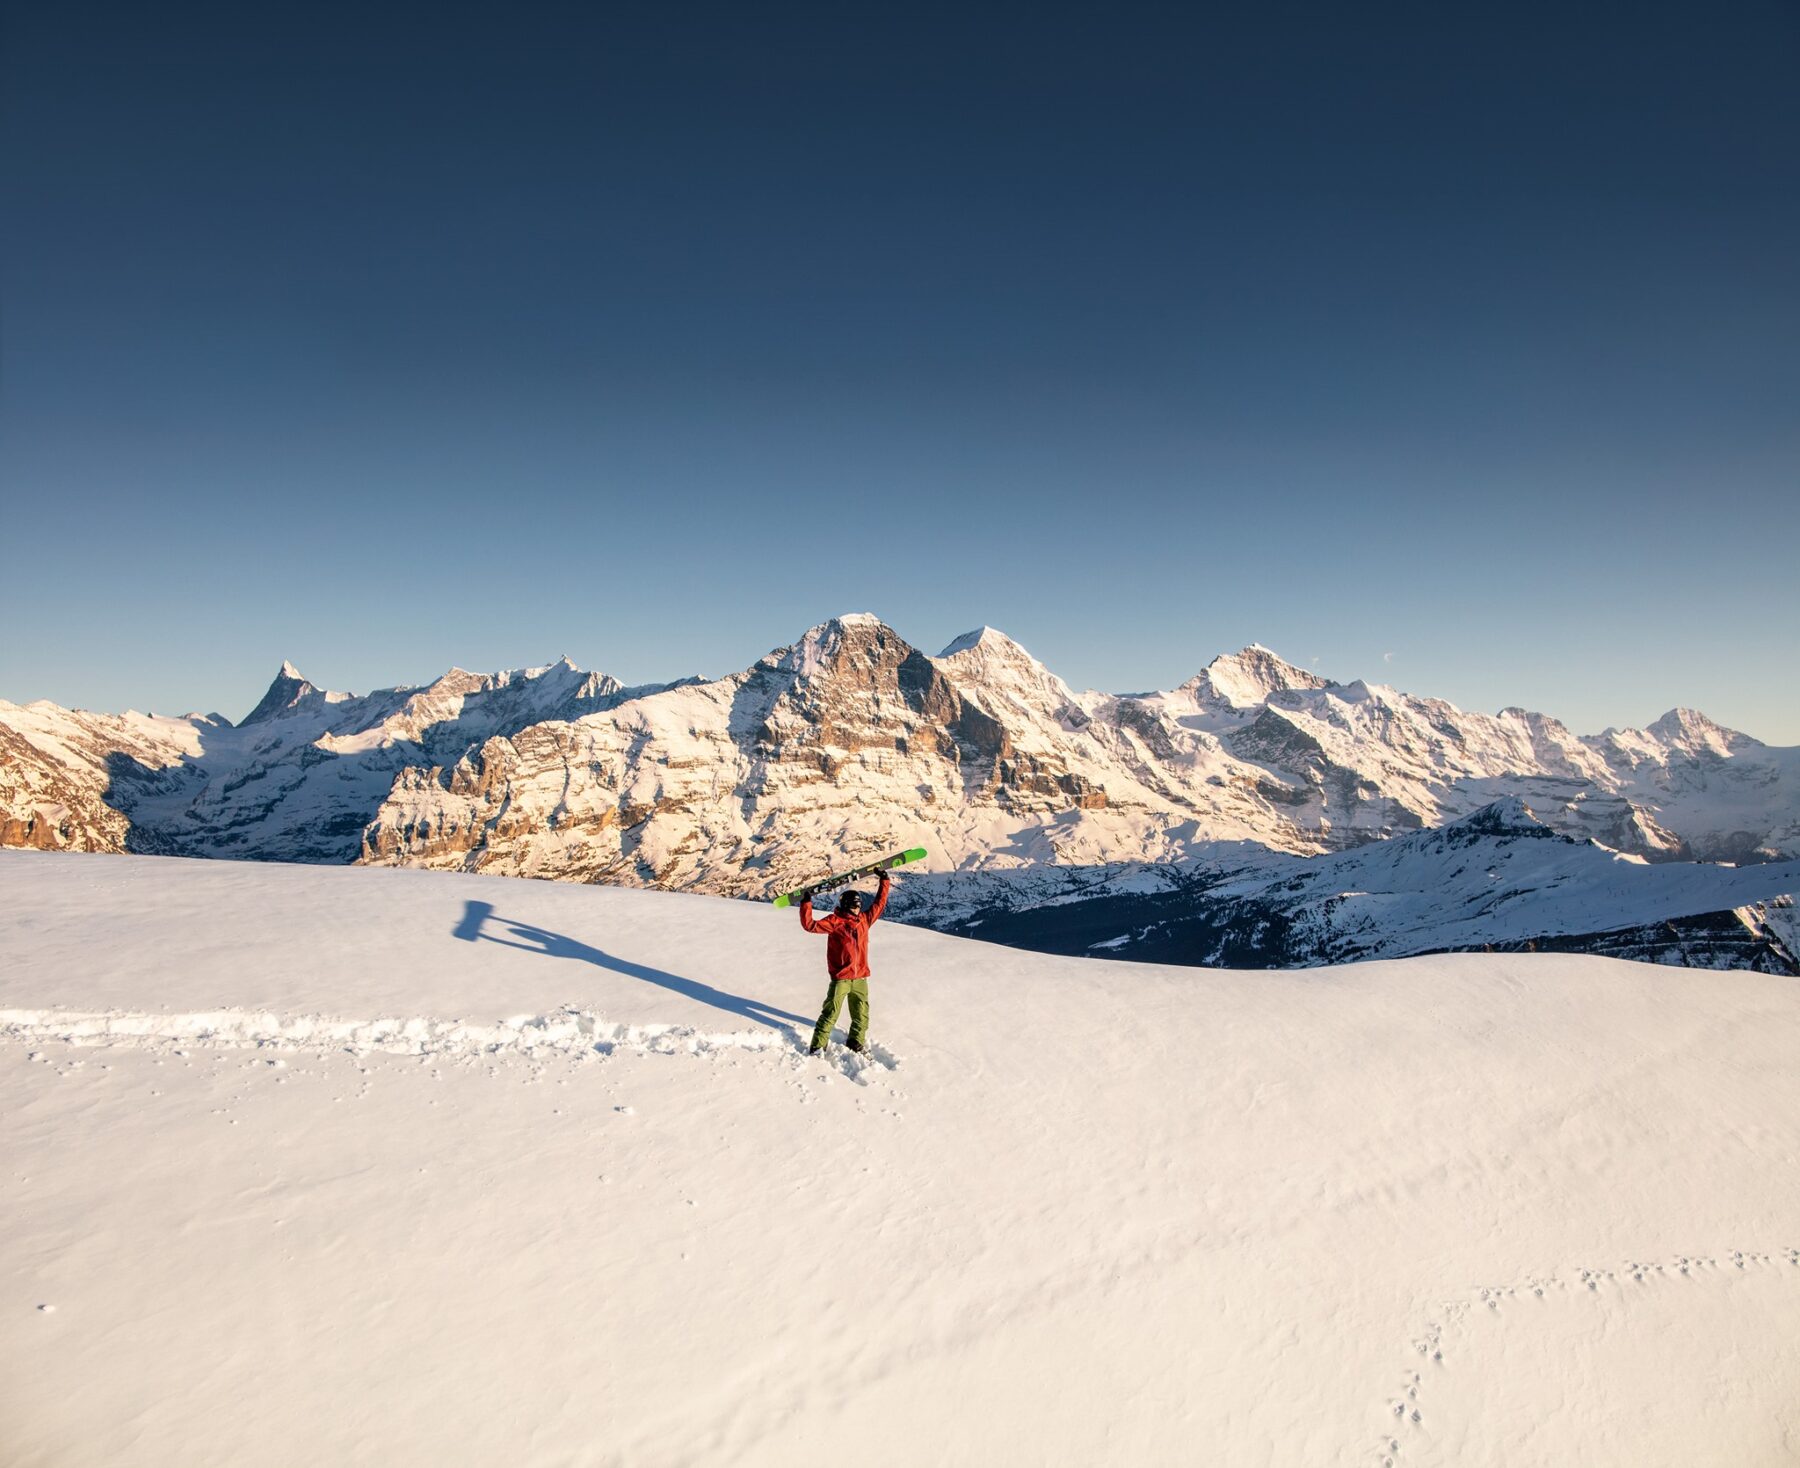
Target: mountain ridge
{"x": 1498, "y": 879}
{"x": 850, "y": 741}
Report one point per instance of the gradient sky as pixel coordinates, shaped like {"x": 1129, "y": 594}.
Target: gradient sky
{"x": 1452, "y": 347}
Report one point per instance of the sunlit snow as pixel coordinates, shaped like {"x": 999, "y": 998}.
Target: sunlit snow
{"x": 328, "y": 1165}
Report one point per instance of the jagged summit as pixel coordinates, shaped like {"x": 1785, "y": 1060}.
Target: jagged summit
{"x": 824, "y": 645}
{"x": 1508, "y": 816}
{"x": 288, "y": 689}
{"x": 1534, "y": 720}
{"x": 1245, "y": 679}
{"x": 1003, "y": 676}
{"x": 833, "y": 628}
{"x": 1693, "y": 731}
{"x": 852, "y": 735}
{"x": 983, "y": 636}
{"x": 991, "y": 648}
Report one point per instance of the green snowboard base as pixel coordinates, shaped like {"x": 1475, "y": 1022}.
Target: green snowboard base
{"x": 837, "y": 879}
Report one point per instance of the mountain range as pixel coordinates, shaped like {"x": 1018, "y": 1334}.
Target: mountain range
{"x": 1499, "y": 880}
{"x": 850, "y": 742}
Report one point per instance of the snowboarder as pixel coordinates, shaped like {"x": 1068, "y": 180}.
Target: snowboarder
{"x": 847, "y": 960}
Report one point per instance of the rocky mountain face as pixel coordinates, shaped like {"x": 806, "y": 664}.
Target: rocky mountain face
{"x": 297, "y": 780}
{"x": 852, "y": 742}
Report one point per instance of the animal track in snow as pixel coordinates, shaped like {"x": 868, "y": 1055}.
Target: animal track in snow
{"x": 1489, "y": 1301}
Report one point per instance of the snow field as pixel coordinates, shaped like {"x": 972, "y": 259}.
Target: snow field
{"x": 568, "y": 1192}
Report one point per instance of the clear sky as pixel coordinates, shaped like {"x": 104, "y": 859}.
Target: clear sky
{"x": 1454, "y": 347}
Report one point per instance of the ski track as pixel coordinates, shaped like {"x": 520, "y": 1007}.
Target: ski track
{"x": 568, "y": 1033}
{"x": 1404, "y": 1404}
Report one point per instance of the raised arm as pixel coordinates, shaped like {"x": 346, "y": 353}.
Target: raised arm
{"x": 880, "y": 903}
{"x": 807, "y": 920}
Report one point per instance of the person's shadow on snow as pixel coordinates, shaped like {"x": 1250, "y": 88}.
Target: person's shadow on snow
{"x": 473, "y": 928}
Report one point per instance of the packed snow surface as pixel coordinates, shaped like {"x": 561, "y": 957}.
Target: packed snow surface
{"x": 312, "y": 1165}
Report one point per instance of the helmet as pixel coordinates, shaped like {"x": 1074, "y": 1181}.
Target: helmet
{"x": 850, "y": 902}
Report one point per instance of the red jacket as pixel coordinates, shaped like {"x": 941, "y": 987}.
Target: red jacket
{"x": 847, "y": 954}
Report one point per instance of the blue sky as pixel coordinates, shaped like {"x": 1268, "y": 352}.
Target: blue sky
{"x": 1459, "y": 351}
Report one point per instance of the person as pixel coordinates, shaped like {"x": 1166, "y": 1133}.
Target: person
{"x": 847, "y": 961}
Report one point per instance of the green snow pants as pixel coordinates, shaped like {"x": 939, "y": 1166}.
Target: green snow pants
{"x": 857, "y": 992}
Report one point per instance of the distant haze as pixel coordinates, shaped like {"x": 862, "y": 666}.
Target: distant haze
{"x": 1458, "y": 351}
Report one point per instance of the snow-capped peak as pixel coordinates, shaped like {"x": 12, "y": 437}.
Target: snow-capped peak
{"x": 833, "y": 628}
{"x": 983, "y": 636}
{"x": 1508, "y": 816}
{"x": 995, "y": 670}
{"x": 1243, "y": 680}
{"x": 288, "y": 688}
{"x": 991, "y": 649}
{"x": 1692, "y": 730}
{"x": 820, "y": 646}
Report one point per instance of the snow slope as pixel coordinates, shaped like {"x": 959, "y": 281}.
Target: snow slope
{"x": 328, "y": 1165}
{"x": 1498, "y": 878}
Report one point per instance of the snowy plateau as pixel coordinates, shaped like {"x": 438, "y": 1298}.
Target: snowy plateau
{"x": 313, "y": 1165}
{"x": 1241, "y": 818}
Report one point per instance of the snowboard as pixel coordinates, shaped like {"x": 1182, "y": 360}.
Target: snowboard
{"x": 837, "y": 879}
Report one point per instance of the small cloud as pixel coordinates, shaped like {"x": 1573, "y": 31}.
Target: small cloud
{"x": 1387, "y": 657}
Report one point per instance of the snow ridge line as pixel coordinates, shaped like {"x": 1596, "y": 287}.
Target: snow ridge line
{"x": 569, "y": 1031}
